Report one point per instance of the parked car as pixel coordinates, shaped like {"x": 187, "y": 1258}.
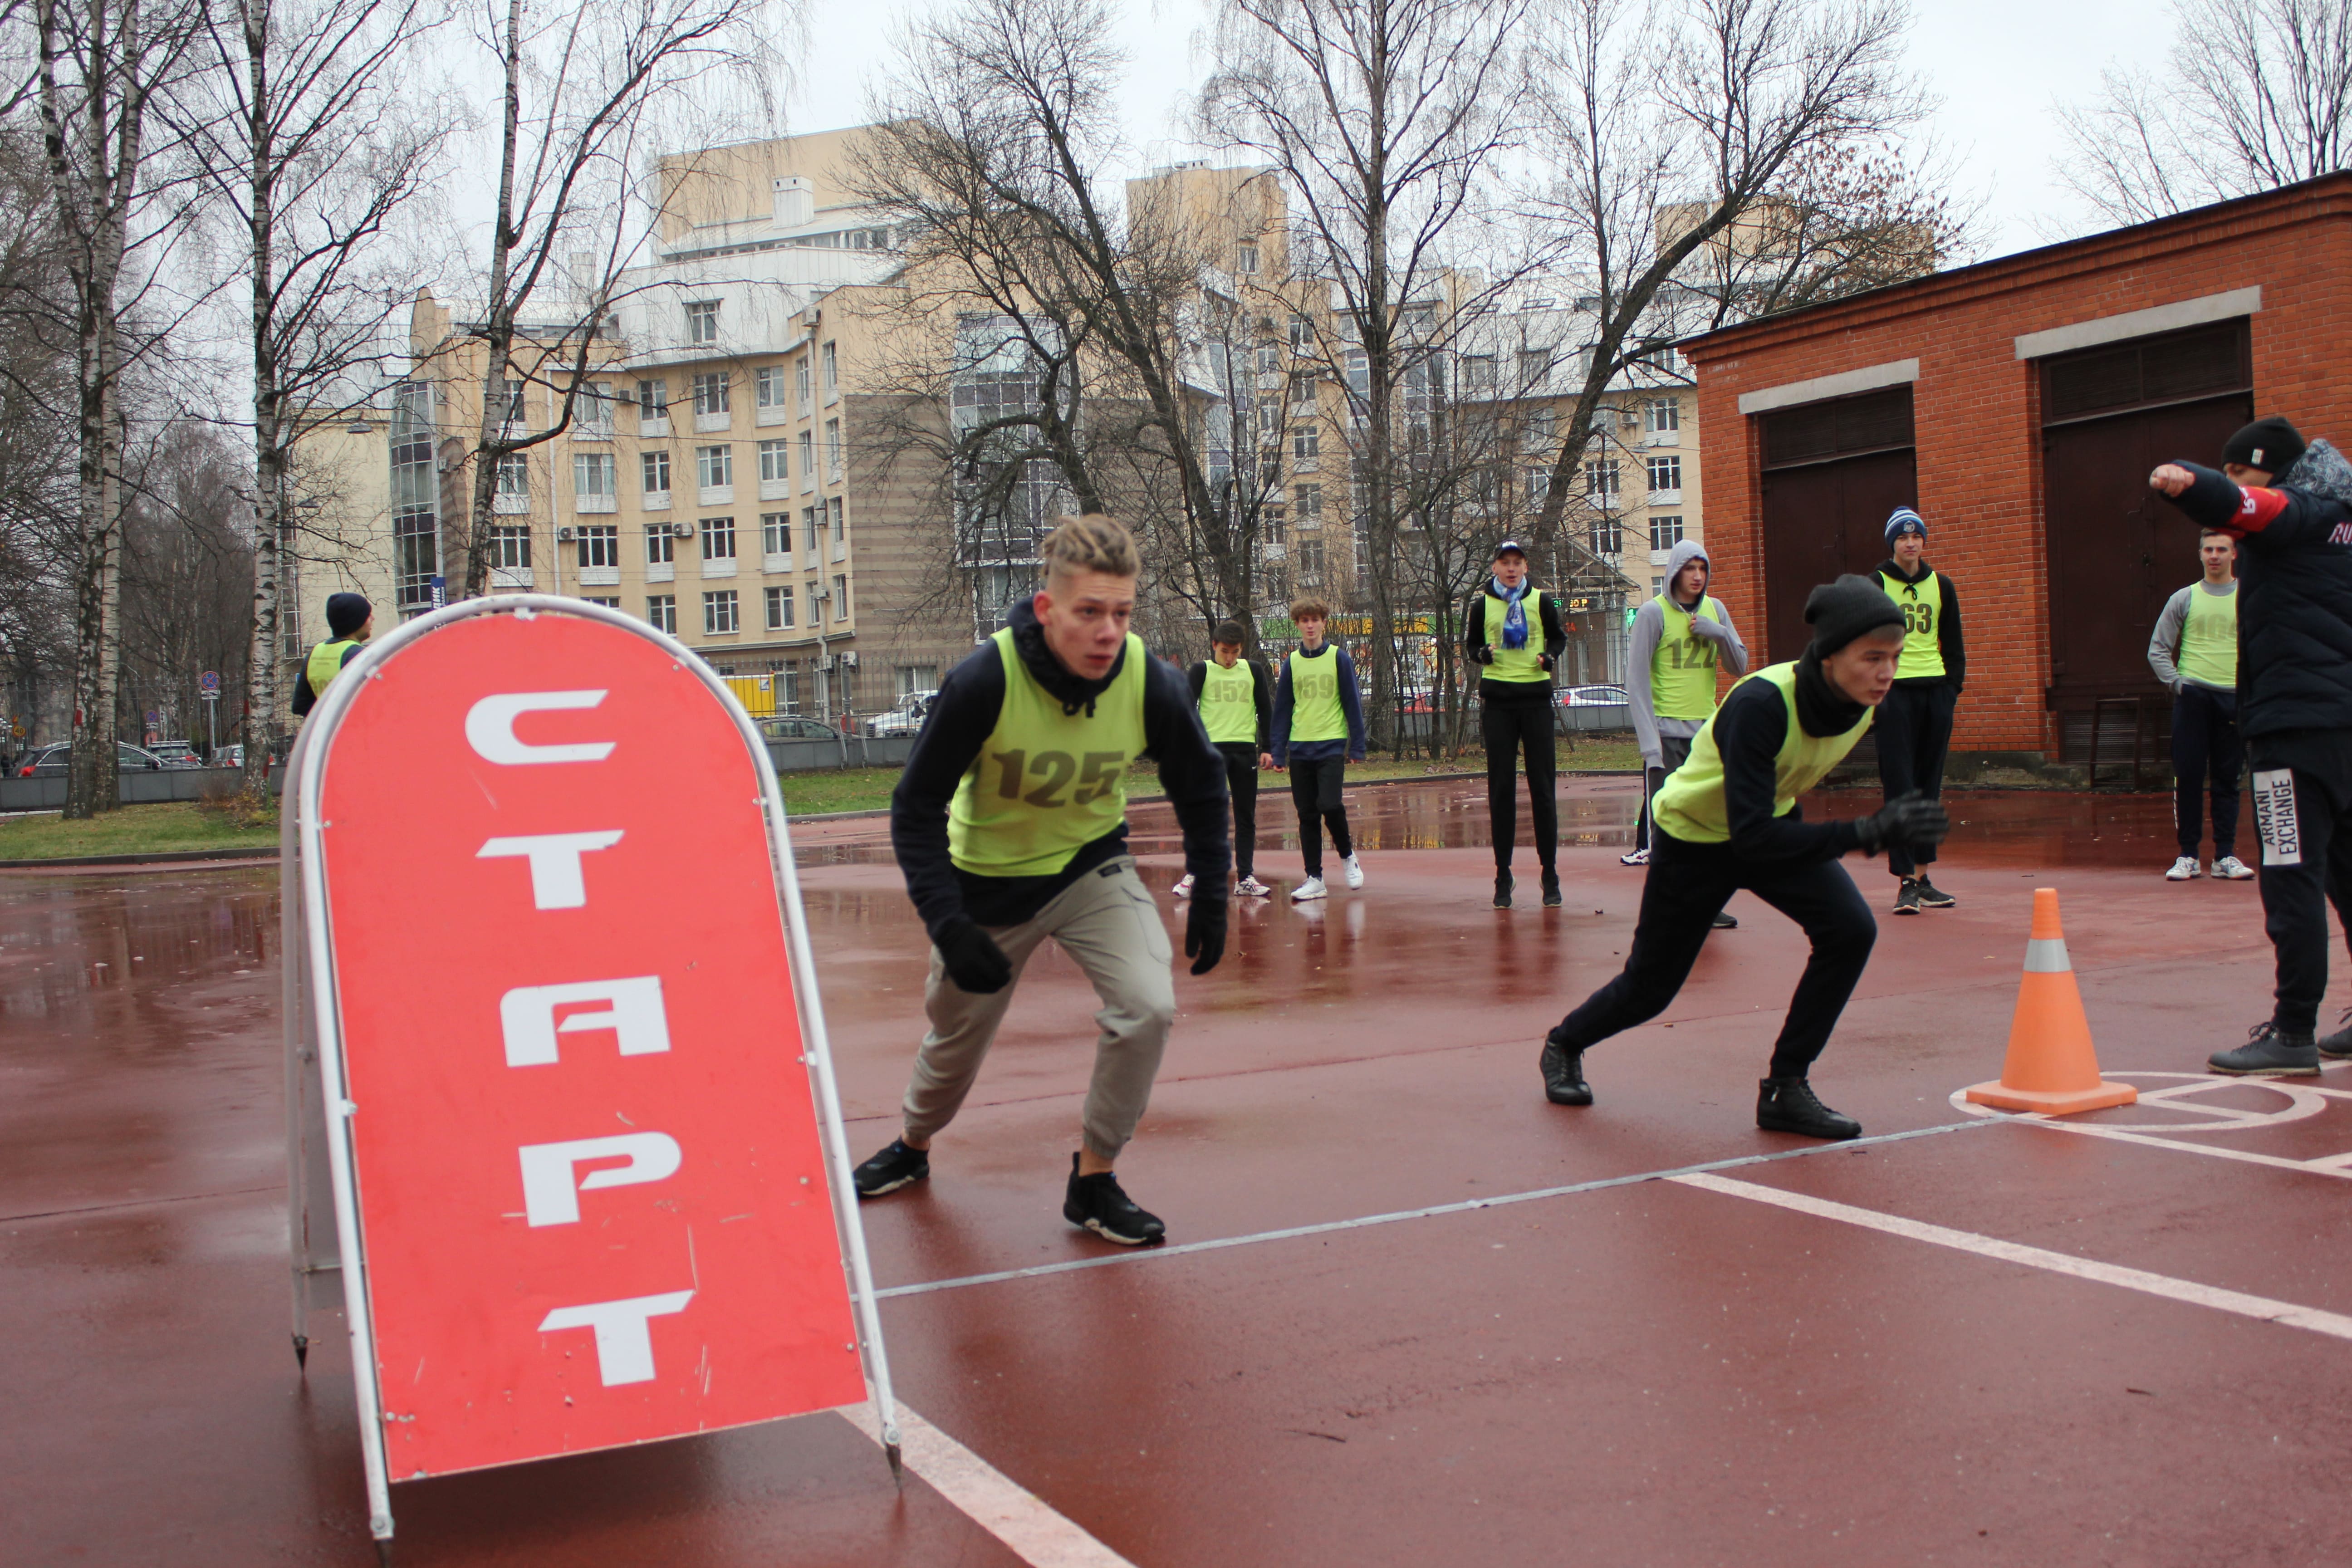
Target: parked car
{"x": 791, "y": 729}
{"x": 49, "y": 762}
{"x": 1592, "y": 697}
{"x": 177, "y": 753}
{"x": 907, "y": 719}
{"x": 229, "y": 756}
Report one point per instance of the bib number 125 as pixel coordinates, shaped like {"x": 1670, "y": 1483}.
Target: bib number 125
{"x": 1096, "y": 775}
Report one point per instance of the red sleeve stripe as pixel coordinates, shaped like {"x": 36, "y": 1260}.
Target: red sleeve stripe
{"x": 2257, "y": 510}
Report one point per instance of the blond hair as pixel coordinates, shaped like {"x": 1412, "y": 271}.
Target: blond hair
{"x": 1301, "y": 609}
{"x": 1092, "y": 541}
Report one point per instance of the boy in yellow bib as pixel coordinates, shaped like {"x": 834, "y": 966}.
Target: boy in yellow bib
{"x": 1727, "y": 819}
{"x": 2195, "y": 653}
{"x": 1318, "y": 729}
{"x": 1914, "y": 724}
{"x": 1010, "y": 826}
{"x": 1235, "y": 696}
{"x": 350, "y": 619}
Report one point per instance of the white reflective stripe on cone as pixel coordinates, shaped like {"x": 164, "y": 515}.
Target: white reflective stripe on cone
{"x": 2047, "y": 955}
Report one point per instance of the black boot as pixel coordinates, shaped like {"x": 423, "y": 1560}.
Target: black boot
{"x": 1502, "y": 881}
{"x": 1789, "y": 1105}
{"x": 2269, "y": 1052}
{"x": 1551, "y": 887}
{"x": 1563, "y": 1073}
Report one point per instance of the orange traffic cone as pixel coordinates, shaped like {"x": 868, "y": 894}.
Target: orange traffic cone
{"x": 2051, "y": 1067}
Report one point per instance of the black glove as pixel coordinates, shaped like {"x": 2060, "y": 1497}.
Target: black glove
{"x": 1483, "y": 653}
{"x": 971, "y": 958}
{"x": 1544, "y": 660}
{"x": 1912, "y": 822}
{"x": 1205, "y": 932}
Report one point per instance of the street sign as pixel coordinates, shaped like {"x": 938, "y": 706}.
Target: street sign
{"x": 208, "y": 683}
{"x": 596, "y": 1193}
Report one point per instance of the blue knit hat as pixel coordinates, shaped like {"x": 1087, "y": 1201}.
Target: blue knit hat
{"x": 1902, "y": 521}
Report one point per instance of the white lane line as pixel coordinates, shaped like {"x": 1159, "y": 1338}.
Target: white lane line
{"x": 2321, "y": 1167}
{"x": 2333, "y": 1324}
{"x": 996, "y": 1502}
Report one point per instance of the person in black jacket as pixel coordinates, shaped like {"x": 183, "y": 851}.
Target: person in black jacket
{"x": 1235, "y": 696}
{"x": 1915, "y": 722}
{"x": 1516, "y": 653}
{"x": 2289, "y": 505}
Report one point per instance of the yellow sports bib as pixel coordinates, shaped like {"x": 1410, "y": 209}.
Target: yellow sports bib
{"x": 1047, "y": 783}
{"x": 1229, "y": 704}
{"x": 1520, "y": 664}
{"x": 1921, "y": 603}
{"x": 326, "y": 662}
{"x": 1682, "y": 667}
{"x": 1690, "y": 804}
{"x": 1315, "y": 711}
{"x": 2209, "y": 639}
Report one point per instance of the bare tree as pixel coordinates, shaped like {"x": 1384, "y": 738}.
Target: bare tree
{"x": 1703, "y": 171}
{"x": 102, "y": 65}
{"x": 308, "y": 128}
{"x": 187, "y": 573}
{"x": 581, "y": 92}
{"x": 2262, "y": 96}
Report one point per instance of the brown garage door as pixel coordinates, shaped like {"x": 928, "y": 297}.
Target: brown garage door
{"x": 2115, "y": 552}
{"x": 1832, "y": 472}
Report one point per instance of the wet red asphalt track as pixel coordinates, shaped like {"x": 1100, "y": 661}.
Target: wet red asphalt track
{"x": 1641, "y": 1373}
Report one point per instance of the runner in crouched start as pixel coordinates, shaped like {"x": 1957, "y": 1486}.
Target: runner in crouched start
{"x": 1010, "y": 826}
{"x": 1727, "y": 819}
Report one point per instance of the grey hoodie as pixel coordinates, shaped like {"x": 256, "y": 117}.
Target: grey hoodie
{"x": 1642, "y": 647}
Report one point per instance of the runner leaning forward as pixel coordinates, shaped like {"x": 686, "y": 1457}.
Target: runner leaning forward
{"x": 1010, "y": 826}
{"x": 1727, "y": 819}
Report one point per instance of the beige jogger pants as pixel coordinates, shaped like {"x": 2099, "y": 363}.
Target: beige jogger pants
{"x": 1107, "y": 921}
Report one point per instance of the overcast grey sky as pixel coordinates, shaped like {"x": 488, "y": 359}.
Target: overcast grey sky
{"x": 1995, "y": 65}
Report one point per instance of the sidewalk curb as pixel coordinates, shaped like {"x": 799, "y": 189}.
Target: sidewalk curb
{"x": 158, "y": 857}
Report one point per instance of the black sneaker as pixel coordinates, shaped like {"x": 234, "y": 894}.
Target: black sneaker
{"x": 1503, "y": 883}
{"x": 1934, "y": 897}
{"x": 2269, "y": 1052}
{"x": 1907, "y": 898}
{"x": 1551, "y": 887}
{"x": 1096, "y": 1203}
{"x": 1726, "y": 920}
{"x": 2339, "y": 1044}
{"x": 893, "y": 1168}
{"x": 1563, "y": 1075}
{"x": 1789, "y": 1105}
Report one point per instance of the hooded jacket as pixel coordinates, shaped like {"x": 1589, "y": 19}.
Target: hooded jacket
{"x": 962, "y": 719}
{"x": 2295, "y": 589}
{"x": 1641, "y": 647}
{"x": 1947, "y": 626}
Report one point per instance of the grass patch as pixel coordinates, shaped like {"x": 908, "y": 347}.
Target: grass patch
{"x": 163, "y": 828}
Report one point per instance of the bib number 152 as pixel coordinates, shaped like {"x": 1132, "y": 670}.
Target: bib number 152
{"x": 1097, "y": 775}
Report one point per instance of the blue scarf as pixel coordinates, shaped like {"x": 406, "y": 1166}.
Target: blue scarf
{"x": 1515, "y": 613}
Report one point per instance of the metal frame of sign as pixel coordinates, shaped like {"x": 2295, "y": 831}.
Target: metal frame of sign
{"x": 315, "y": 1065}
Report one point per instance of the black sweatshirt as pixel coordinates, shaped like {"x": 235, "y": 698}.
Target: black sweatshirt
{"x": 1749, "y": 730}
{"x": 1948, "y": 628}
{"x": 1261, "y": 682}
{"x": 960, "y": 720}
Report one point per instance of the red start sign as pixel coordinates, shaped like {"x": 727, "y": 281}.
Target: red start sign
{"x": 584, "y": 1150}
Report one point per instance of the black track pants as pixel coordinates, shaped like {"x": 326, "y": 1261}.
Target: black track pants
{"x": 1674, "y": 751}
{"x": 1315, "y": 791}
{"x": 1687, "y": 886}
{"x": 2205, "y": 742}
{"x": 1511, "y": 729}
{"x": 1915, "y": 730}
{"x": 1241, "y": 783}
{"x": 2304, "y": 822}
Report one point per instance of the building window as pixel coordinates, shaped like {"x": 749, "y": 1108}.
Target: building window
{"x": 840, "y": 598}
{"x": 1661, "y": 414}
{"x": 415, "y": 494}
{"x": 718, "y": 617}
{"x": 788, "y": 689}
{"x": 1359, "y": 372}
{"x": 510, "y": 546}
{"x": 1657, "y": 586}
{"x": 840, "y": 522}
{"x": 1665, "y": 473}
{"x": 1302, "y": 389}
{"x": 833, "y": 451}
{"x": 1665, "y": 532}
{"x": 774, "y": 469}
{"x": 1534, "y": 369}
{"x": 514, "y": 478}
{"x": 661, "y": 612}
{"x": 1275, "y": 529}
{"x": 801, "y": 382}
{"x": 653, "y": 400}
{"x": 656, "y": 472}
{"x": 592, "y": 411}
{"x": 600, "y": 545}
{"x": 1601, "y": 480}
{"x": 914, "y": 677}
{"x": 1310, "y": 563}
{"x": 1307, "y": 501}
{"x": 812, "y": 524}
{"x": 832, "y": 373}
{"x": 1307, "y": 444}
{"x": 1608, "y": 536}
{"x": 1302, "y": 333}
{"x": 775, "y": 533}
{"x": 1538, "y": 485}
{"x": 780, "y": 607}
{"x": 719, "y": 539}
{"x": 808, "y": 459}
{"x": 660, "y": 547}
{"x": 1245, "y": 259}
{"x": 593, "y": 476}
{"x": 709, "y": 393}
{"x": 514, "y": 401}
{"x": 714, "y": 467}
{"x": 606, "y": 603}
{"x": 771, "y": 383}
{"x": 702, "y": 320}
{"x": 1537, "y": 428}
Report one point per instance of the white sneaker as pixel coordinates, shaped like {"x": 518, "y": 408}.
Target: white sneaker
{"x": 1638, "y": 857}
{"x": 1310, "y": 888}
{"x": 1183, "y": 887}
{"x": 2184, "y": 869}
{"x": 1355, "y": 869}
{"x": 1251, "y": 888}
{"x": 2230, "y": 869}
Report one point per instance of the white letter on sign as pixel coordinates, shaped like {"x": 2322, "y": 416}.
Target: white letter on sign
{"x": 549, "y": 1197}
{"x": 489, "y": 728}
{"x": 555, "y": 880}
{"x": 526, "y": 1016}
{"x": 624, "y": 1348}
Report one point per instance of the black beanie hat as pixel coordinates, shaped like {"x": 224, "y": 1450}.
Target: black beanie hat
{"x": 1842, "y": 611}
{"x": 347, "y": 613}
{"x": 2271, "y": 445}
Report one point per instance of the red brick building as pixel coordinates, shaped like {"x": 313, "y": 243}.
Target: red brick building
{"x": 2020, "y": 405}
